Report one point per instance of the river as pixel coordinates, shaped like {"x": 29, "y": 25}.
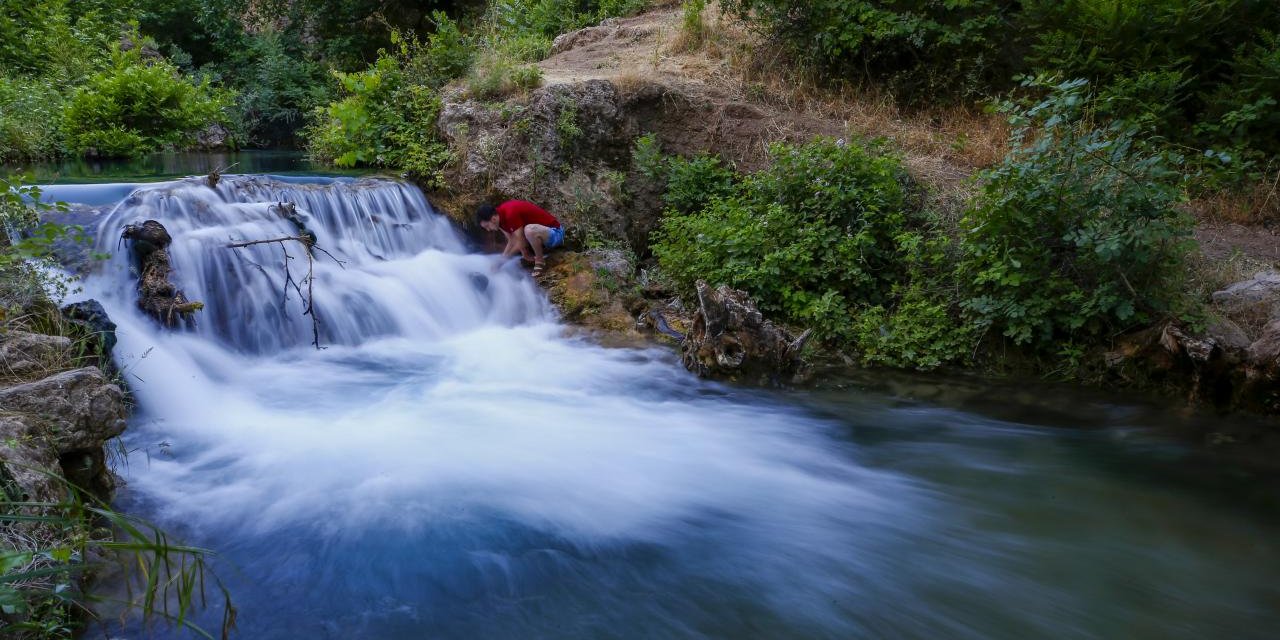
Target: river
{"x": 455, "y": 463}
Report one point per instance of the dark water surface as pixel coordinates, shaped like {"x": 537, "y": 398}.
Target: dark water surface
{"x": 169, "y": 165}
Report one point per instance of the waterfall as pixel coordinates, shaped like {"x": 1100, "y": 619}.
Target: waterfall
{"x": 391, "y": 265}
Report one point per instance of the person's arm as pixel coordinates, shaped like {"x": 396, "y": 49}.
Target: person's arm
{"x": 515, "y": 243}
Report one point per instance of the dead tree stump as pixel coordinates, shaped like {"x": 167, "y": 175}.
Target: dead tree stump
{"x": 730, "y": 339}
{"x": 157, "y": 296}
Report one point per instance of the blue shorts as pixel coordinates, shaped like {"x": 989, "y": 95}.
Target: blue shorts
{"x": 556, "y": 237}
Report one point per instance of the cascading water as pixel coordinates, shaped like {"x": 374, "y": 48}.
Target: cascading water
{"x": 452, "y": 465}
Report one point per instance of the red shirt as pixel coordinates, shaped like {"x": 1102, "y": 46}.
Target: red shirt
{"x": 514, "y": 214}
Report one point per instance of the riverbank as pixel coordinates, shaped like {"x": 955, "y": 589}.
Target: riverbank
{"x": 620, "y": 98}
{"x": 60, "y": 408}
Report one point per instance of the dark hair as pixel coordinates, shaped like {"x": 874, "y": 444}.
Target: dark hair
{"x": 484, "y": 212}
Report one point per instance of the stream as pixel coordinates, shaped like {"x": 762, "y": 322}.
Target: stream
{"x": 454, "y": 463}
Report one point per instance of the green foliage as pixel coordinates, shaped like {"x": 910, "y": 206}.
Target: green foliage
{"x": 549, "y": 18}
{"x": 692, "y": 29}
{"x": 56, "y": 39}
{"x": 1243, "y": 112}
{"x": 387, "y": 113}
{"x": 27, "y": 267}
{"x": 693, "y": 183}
{"x": 278, "y": 85}
{"x": 647, "y": 158}
{"x": 567, "y": 121}
{"x": 60, "y": 541}
{"x": 1197, "y": 72}
{"x": 138, "y": 105}
{"x": 30, "y": 119}
{"x": 921, "y": 333}
{"x": 918, "y": 47}
{"x": 1077, "y": 234}
{"x": 496, "y": 77}
{"x": 812, "y": 238}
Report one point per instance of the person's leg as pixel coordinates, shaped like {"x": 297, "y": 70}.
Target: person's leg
{"x": 537, "y": 236}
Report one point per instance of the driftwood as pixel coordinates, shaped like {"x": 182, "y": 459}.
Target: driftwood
{"x": 157, "y": 296}
{"x": 308, "y": 242}
{"x": 731, "y": 339}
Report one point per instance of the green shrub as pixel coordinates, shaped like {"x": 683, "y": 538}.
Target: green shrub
{"x": 496, "y": 77}
{"x": 550, "y": 18}
{"x": 647, "y": 158}
{"x": 692, "y": 184}
{"x": 812, "y": 238}
{"x": 1193, "y": 71}
{"x": 387, "y": 113}
{"x": 135, "y": 106}
{"x": 30, "y": 119}
{"x": 920, "y": 333}
{"x": 1077, "y": 233}
{"x": 1244, "y": 111}
{"x": 278, "y": 84}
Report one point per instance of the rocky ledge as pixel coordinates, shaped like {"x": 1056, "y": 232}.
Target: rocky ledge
{"x": 56, "y": 416}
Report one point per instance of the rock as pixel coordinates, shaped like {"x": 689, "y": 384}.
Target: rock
{"x": 1264, "y": 353}
{"x": 731, "y": 339}
{"x": 24, "y": 354}
{"x": 566, "y": 147}
{"x": 1264, "y": 285}
{"x": 214, "y": 137}
{"x": 92, "y": 320}
{"x": 61, "y": 421}
{"x": 82, "y": 402}
{"x": 1227, "y": 335}
{"x": 1251, "y": 303}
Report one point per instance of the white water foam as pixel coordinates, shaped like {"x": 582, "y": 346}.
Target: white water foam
{"x": 437, "y": 405}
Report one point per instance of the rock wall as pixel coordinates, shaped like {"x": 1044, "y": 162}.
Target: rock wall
{"x": 568, "y": 148}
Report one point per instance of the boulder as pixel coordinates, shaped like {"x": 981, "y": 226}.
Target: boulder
{"x": 1251, "y": 303}
{"x": 24, "y": 355}
{"x": 730, "y": 339}
{"x": 90, "y": 319}
{"x": 1263, "y": 286}
{"x": 60, "y": 423}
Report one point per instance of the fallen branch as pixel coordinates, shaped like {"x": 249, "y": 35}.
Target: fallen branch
{"x": 308, "y": 300}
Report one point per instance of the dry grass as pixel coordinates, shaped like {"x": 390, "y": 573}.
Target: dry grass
{"x": 946, "y": 141}
{"x": 1258, "y": 203}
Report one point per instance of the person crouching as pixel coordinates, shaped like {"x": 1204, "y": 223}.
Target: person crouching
{"x": 529, "y": 229}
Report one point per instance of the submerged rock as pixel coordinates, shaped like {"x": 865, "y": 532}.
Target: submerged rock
{"x": 731, "y": 339}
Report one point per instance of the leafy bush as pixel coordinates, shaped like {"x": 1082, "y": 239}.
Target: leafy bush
{"x": 549, "y": 18}
{"x": 920, "y": 333}
{"x": 138, "y": 105}
{"x": 1077, "y": 233}
{"x": 812, "y": 238}
{"x": 1244, "y": 111}
{"x": 278, "y": 83}
{"x": 693, "y": 183}
{"x": 30, "y": 119}
{"x": 1194, "y": 71}
{"x": 387, "y": 114}
{"x": 647, "y": 158}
